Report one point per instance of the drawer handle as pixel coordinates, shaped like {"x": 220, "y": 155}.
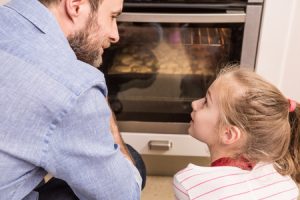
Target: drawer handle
{"x": 160, "y": 145}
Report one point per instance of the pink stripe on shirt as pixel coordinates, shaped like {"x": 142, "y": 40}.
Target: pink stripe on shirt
{"x": 213, "y": 179}
{"x": 184, "y": 170}
{"x": 191, "y": 177}
{"x": 232, "y": 185}
{"x": 183, "y": 192}
{"x": 278, "y": 193}
{"x": 266, "y": 164}
{"x": 254, "y": 189}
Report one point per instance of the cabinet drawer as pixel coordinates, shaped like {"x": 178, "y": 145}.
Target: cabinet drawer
{"x": 166, "y": 144}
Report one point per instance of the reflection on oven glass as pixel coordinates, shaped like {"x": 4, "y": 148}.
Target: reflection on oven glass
{"x": 171, "y": 49}
{"x": 134, "y": 59}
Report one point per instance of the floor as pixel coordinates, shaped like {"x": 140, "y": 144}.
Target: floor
{"x": 158, "y": 188}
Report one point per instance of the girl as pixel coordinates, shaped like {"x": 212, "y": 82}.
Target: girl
{"x": 253, "y": 134}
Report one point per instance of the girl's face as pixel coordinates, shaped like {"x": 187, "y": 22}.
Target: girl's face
{"x": 205, "y": 116}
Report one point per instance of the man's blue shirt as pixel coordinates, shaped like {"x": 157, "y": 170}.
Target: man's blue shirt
{"x": 54, "y": 115}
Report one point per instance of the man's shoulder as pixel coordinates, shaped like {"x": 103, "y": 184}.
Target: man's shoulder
{"x": 64, "y": 74}
{"x": 23, "y": 44}
{"x": 79, "y": 76}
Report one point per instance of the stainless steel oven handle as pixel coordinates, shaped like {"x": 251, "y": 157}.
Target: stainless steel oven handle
{"x": 183, "y": 18}
{"x": 160, "y": 145}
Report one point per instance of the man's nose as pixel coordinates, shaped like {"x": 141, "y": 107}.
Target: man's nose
{"x": 114, "y": 37}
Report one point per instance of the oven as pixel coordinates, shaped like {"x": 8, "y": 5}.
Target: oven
{"x": 168, "y": 55}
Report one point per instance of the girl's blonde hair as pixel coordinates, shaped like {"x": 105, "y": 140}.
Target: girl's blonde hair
{"x": 261, "y": 111}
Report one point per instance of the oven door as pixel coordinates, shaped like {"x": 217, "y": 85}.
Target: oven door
{"x": 165, "y": 61}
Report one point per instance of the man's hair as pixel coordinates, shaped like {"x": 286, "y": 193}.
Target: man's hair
{"x": 94, "y": 3}
{"x": 261, "y": 111}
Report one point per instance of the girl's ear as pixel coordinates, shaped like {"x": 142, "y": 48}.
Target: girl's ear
{"x": 231, "y": 135}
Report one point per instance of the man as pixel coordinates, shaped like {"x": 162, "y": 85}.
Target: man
{"x": 54, "y": 114}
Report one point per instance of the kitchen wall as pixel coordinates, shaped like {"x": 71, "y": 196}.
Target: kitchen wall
{"x": 278, "y": 53}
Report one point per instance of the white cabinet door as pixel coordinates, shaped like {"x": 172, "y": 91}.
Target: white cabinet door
{"x": 166, "y": 144}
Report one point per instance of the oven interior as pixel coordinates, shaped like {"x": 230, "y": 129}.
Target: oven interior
{"x": 157, "y": 69}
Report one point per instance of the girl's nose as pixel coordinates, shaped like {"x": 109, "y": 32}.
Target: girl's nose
{"x": 195, "y": 104}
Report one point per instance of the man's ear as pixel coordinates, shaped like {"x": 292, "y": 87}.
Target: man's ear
{"x": 231, "y": 135}
{"x": 73, "y": 8}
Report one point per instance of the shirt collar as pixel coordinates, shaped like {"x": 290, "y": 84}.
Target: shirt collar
{"x": 43, "y": 20}
{"x": 36, "y": 13}
{"x": 240, "y": 162}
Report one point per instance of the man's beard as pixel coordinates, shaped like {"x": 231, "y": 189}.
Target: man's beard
{"x": 84, "y": 44}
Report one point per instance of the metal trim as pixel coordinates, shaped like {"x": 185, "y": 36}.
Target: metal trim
{"x": 255, "y": 1}
{"x": 251, "y": 36}
{"x": 216, "y": 6}
{"x": 153, "y": 127}
{"x": 182, "y": 18}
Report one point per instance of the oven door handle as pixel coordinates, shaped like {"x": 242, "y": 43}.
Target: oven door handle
{"x": 235, "y": 17}
{"x": 160, "y": 145}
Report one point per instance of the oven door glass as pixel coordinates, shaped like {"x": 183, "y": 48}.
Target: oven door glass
{"x": 157, "y": 69}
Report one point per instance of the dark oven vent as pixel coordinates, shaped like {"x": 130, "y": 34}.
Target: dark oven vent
{"x": 179, "y": 6}
{"x": 186, "y": 1}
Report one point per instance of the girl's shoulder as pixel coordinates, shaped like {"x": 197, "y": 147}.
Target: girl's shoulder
{"x": 194, "y": 172}
{"x": 212, "y": 182}
{"x": 260, "y": 169}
